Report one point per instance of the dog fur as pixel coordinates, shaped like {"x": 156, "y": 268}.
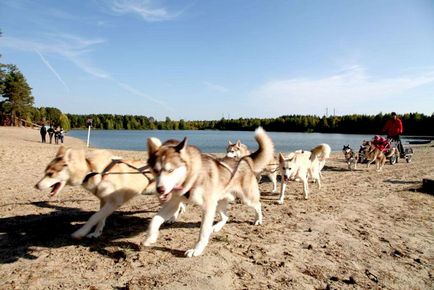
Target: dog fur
{"x": 239, "y": 150}
{"x": 113, "y": 181}
{"x": 183, "y": 174}
{"x": 236, "y": 150}
{"x": 351, "y": 157}
{"x": 301, "y": 165}
{"x": 373, "y": 154}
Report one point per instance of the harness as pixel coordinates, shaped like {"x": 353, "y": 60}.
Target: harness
{"x": 142, "y": 170}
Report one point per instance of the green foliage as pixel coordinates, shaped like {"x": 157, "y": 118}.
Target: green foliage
{"x": 16, "y": 93}
{"x": 414, "y": 123}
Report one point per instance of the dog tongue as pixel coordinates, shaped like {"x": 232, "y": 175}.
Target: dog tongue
{"x": 55, "y": 189}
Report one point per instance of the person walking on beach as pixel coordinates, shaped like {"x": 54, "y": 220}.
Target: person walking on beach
{"x": 57, "y": 135}
{"x": 43, "y": 132}
{"x": 394, "y": 129}
{"x": 61, "y": 135}
{"x": 50, "y": 132}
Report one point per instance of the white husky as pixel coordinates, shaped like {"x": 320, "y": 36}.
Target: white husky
{"x": 301, "y": 165}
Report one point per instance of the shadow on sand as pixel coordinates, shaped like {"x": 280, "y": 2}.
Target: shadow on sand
{"x": 19, "y": 234}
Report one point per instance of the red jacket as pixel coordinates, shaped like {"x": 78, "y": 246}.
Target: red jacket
{"x": 393, "y": 127}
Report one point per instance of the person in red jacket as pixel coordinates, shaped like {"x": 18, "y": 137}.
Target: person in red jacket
{"x": 394, "y": 129}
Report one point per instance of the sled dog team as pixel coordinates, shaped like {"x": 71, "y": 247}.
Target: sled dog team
{"x": 180, "y": 173}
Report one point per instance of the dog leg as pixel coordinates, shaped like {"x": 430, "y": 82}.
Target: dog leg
{"x": 273, "y": 178}
{"x": 98, "y": 217}
{"x": 180, "y": 211}
{"x": 258, "y": 210}
{"x": 305, "y": 186}
{"x": 166, "y": 212}
{"x": 221, "y": 209}
{"x": 100, "y": 226}
{"x": 282, "y": 192}
{"x": 205, "y": 231}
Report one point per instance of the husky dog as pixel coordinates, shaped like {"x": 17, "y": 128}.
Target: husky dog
{"x": 351, "y": 157}
{"x": 183, "y": 174}
{"x": 373, "y": 154}
{"x": 113, "y": 181}
{"x": 301, "y": 165}
{"x": 236, "y": 150}
{"x": 239, "y": 150}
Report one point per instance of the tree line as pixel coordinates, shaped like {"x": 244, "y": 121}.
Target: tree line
{"x": 414, "y": 123}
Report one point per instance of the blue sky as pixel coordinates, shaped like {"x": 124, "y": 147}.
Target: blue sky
{"x": 204, "y": 60}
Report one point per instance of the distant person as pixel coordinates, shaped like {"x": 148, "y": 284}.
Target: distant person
{"x": 57, "y": 135}
{"x": 43, "y": 132}
{"x": 50, "y": 132}
{"x": 394, "y": 129}
{"x": 61, "y": 135}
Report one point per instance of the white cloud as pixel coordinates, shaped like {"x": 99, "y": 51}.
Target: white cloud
{"x": 45, "y": 61}
{"x": 349, "y": 90}
{"x": 75, "y": 49}
{"x": 146, "y": 9}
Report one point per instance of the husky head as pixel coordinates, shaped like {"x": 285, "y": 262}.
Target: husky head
{"x": 236, "y": 150}
{"x": 286, "y": 165}
{"x": 65, "y": 168}
{"x": 168, "y": 165}
{"x": 233, "y": 150}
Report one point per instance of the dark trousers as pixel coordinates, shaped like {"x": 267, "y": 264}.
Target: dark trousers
{"x": 397, "y": 139}
{"x": 43, "y": 138}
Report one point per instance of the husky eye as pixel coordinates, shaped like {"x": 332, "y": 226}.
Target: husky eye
{"x": 50, "y": 174}
{"x": 170, "y": 170}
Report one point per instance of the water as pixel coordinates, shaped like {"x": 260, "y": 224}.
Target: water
{"x": 216, "y": 141}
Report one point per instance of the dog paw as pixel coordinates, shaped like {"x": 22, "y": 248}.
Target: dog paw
{"x": 192, "y": 253}
{"x": 258, "y": 223}
{"x": 217, "y": 227}
{"x": 94, "y": 235}
{"x": 280, "y": 201}
{"x": 148, "y": 242}
{"x": 77, "y": 235}
{"x": 171, "y": 220}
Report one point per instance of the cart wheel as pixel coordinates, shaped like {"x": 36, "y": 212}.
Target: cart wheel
{"x": 393, "y": 159}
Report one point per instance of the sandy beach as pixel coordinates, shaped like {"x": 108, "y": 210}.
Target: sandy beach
{"x": 362, "y": 230}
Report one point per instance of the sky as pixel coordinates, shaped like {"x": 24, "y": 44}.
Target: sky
{"x": 205, "y": 60}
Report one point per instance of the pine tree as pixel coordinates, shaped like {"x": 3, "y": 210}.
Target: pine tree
{"x": 16, "y": 93}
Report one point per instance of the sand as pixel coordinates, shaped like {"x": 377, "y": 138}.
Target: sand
{"x": 362, "y": 230}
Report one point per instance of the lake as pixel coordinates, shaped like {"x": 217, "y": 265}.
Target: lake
{"x": 211, "y": 141}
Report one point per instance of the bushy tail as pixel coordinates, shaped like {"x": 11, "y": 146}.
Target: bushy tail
{"x": 321, "y": 152}
{"x": 265, "y": 152}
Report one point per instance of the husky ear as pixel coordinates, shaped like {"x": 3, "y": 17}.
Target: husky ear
{"x": 68, "y": 155}
{"x": 181, "y": 145}
{"x": 153, "y": 145}
{"x": 281, "y": 157}
{"x": 291, "y": 155}
{"x": 238, "y": 143}
{"x": 229, "y": 142}
{"x": 61, "y": 151}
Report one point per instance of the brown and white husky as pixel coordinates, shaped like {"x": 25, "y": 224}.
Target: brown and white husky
{"x": 113, "y": 181}
{"x": 302, "y": 165}
{"x": 239, "y": 150}
{"x": 183, "y": 174}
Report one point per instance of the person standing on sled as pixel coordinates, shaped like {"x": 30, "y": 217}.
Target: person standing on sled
{"x": 394, "y": 129}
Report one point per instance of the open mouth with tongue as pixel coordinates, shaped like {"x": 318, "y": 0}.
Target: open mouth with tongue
{"x": 165, "y": 196}
{"x": 55, "y": 188}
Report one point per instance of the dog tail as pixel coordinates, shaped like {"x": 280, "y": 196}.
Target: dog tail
{"x": 321, "y": 152}
{"x": 265, "y": 152}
